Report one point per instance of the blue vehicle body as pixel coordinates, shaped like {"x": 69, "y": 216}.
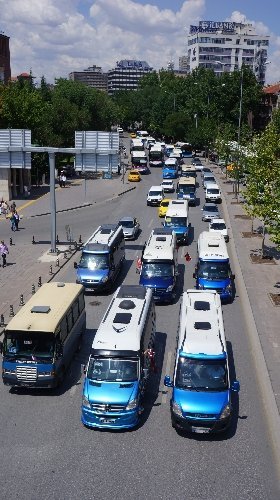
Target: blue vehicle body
{"x": 162, "y": 287}
{"x": 191, "y": 197}
{"x": 170, "y": 172}
{"x": 113, "y": 415}
{"x": 224, "y": 286}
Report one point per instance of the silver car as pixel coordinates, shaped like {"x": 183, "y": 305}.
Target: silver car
{"x": 131, "y": 227}
{"x": 210, "y": 211}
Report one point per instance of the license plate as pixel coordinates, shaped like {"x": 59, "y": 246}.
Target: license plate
{"x": 108, "y": 420}
{"x": 200, "y": 430}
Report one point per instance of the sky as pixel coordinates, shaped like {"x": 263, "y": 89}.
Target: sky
{"x": 55, "y": 37}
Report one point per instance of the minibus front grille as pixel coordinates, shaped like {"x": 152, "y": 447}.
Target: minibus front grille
{"x": 100, "y": 407}
{"x": 26, "y": 373}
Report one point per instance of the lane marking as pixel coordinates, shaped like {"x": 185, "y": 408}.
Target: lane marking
{"x": 167, "y": 371}
{"x": 151, "y": 222}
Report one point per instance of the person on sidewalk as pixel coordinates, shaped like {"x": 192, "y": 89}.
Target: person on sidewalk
{"x": 13, "y": 221}
{"x": 63, "y": 178}
{"x": 60, "y": 180}
{"x": 16, "y": 216}
{"x": 4, "y": 251}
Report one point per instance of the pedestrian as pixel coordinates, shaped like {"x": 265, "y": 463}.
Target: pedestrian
{"x": 16, "y": 216}
{"x": 187, "y": 257}
{"x": 60, "y": 179}
{"x": 63, "y": 178}
{"x": 4, "y": 251}
{"x": 13, "y": 206}
{"x": 13, "y": 221}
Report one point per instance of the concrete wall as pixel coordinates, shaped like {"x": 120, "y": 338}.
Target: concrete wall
{"x": 5, "y": 184}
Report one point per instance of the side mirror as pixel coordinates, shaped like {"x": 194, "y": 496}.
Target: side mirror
{"x": 233, "y": 276}
{"x": 167, "y": 381}
{"x": 75, "y": 265}
{"x": 145, "y": 372}
{"x": 83, "y": 368}
{"x": 235, "y": 386}
{"x": 1, "y": 347}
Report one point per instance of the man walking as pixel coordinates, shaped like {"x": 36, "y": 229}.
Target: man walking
{"x": 4, "y": 251}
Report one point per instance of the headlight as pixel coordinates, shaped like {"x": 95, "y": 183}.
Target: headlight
{"x": 170, "y": 288}
{"x": 9, "y": 372}
{"x": 85, "y": 402}
{"x": 177, "y": 409}
{"x": 226, "y": 412}
{"x": 132, "y": 404}
{"x": 104, "y": 279}
{"x": 45, "y": 374}
{"x": 229, "y": 287}
{"x": 78, "y": 280}
{"x": 186, "y": 234}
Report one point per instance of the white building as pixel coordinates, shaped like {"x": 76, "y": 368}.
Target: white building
{"x": 226, "y": 46}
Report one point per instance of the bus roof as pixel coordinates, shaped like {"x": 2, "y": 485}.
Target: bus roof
{"x": 44, "y": 310}
{"x": 187, "y": 180}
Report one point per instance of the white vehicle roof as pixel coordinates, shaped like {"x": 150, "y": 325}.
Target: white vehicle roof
{"x": 136, "y": 142}
{"x": 142, "y": 133}
{"x": 217, "y": 221}
{"x": 104, "y": 235}
{"x": 188, "y": 168}
{"x": 212, "y": 246}
{"x": 167, "y": 181}
{"x": 170, "y": 161}
{"x": 201, "y": 330}
{"x": 155, "y": 188}
{"x": 212, "y": 185}
{"x": 139, "y": 154}
{"x": 180, "y": 204}
{"x": 161, "y": 245}
{"x": 186, "y": 180}
{"x": 169, "y": 146}
{"x": 156, "y": 147}
{"x": 177, "y": 210}
{"x": 123, "y": 323}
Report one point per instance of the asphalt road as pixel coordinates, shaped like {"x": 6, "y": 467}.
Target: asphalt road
{"x": 46, "y": 452}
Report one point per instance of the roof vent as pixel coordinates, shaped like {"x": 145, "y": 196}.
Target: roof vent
{"x": 40, "y": 309}
{"x": 105, "y": 230}
{"x": 60, "y": 285}
{"x": 123, "y": 318}
{"x": 214, "y": 244}
{"x": 160, "y": 238}
{"x": 201, "y": 305}
{"x": 127, "y": 304}
{"x": 202, "y": 325}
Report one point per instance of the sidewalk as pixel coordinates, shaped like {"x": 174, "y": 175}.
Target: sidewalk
{"x": 261, "y": 278}
{"x": 28, "y": 262}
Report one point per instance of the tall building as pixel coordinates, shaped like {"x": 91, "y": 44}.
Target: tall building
{"x": 5, "y": 65}
{"x": 183, "y": 64}
{"x": 92, "y": 76}
{"x": 226, "y": 46}
{"x": 126, "y": 75}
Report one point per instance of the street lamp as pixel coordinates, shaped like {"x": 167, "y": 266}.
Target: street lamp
{"x": 195, "y": 117}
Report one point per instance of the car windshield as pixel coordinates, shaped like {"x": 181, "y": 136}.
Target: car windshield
{"x": 94, "y": 261}
{"x": 164, "y": 204}
{"x": 201, "y": 374}
{"x": 156, "y": 154}
{"x": 176, "y": 221}
{"x": 127, "y": 223}
{"x": 29, "y": 345}
{"x": 209, "y": 179}
{"x": 218, "y": 226}
{"x": 155, "y": 193}
{"x": 113, "y": 370}
{"x": 213, "y": 191}
{"x": 157, "y": 269}
{"x": 214, "y": 270}
{"x": 170, "y": 167}
{"x": 210, "y": 208}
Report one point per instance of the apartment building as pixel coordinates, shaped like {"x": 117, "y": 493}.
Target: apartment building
{"x": 92, "y": 76}
{"x": 225, "y": 47}
{"x": 126, "y": 75}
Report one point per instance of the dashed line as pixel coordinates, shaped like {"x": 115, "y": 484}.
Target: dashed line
{"x": 167, "y": 371}
{"x": 151, "y": 222}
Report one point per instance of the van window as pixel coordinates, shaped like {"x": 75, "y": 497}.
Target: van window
{"x": 63, "y": 329}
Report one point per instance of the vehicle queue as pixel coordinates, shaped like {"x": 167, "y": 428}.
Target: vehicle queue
{"x": 123, "y": 352}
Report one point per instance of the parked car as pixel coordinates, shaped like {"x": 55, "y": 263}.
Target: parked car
{"x": 130, "y": 226}
{"x": 210, "y": 211}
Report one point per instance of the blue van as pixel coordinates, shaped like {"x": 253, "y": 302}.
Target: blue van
{"x": 177, "y": 219}
{"x": 170, "y": 169}
{"x": 213, "y": 270}
{"x": 102, "y": 257}
{"x": 159, "y": 264}
{"x": 120, "y": 361}
{"x": 201, "y": 399}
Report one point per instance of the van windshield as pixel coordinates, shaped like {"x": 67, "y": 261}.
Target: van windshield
{"x": 29, "y": 345}
{"x": 176, "y": 221}
{"x": 214, "y": 270}
{"x": 157, "y": 269}
{"x": 94, "y": 261}
{"x": 213, "y": 191}
{"x": 201, "y": 374}
{"x": 186, "y": 188}
{"x": 113, "y": 370}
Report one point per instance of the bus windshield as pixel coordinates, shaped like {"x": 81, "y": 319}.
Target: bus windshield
{"x": 29, "y": 345}
{"x": 113, "y": 370}
{"x": 157, "y": 269}
{"x": 94, "y": 261}
{"x": 214, "y": 270}
{"x": 176, "y": 221}
{"x": 201, "y": 374}
{"x": 186, "y": 188}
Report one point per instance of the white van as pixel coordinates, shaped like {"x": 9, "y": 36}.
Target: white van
{"x": 212, "y": 192}
{"x": 155, "y": 196}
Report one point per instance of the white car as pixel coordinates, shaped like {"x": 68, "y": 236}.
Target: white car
{"x": 155, "y": 196}
{"x": 219, "y": 226}
{"x": 168, "y": 186}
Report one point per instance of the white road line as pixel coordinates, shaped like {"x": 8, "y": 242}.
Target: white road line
{"x": 182, "y": 252}
{"x": 151, "y": 222}
{"x": 167, "y": 371}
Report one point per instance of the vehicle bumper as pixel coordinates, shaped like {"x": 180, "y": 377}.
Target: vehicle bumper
{"x": 96, "y": 287}
{"x": 46, "y": 383}
{"x": 155, "y": 203}
{"x": 200, "y": 426}
{"x": 123, "y": 420}
{"x": 182, "y": 239}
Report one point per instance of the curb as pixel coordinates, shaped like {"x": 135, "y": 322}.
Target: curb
{"x": 269, "y": 404}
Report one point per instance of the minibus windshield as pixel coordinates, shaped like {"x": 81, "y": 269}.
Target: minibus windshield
{"x": 176, "y": 221}
{"x": 29, "y": 346}
{"x": 218, "y": 226}
{"x": 113, "y": 370}
{"x": 94, "y": 261}
{"x": 186, "y": 188}
{"x": 157, "y": 269}
{"x": 201, "y": 374}
{"x": 213, "y": 270}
